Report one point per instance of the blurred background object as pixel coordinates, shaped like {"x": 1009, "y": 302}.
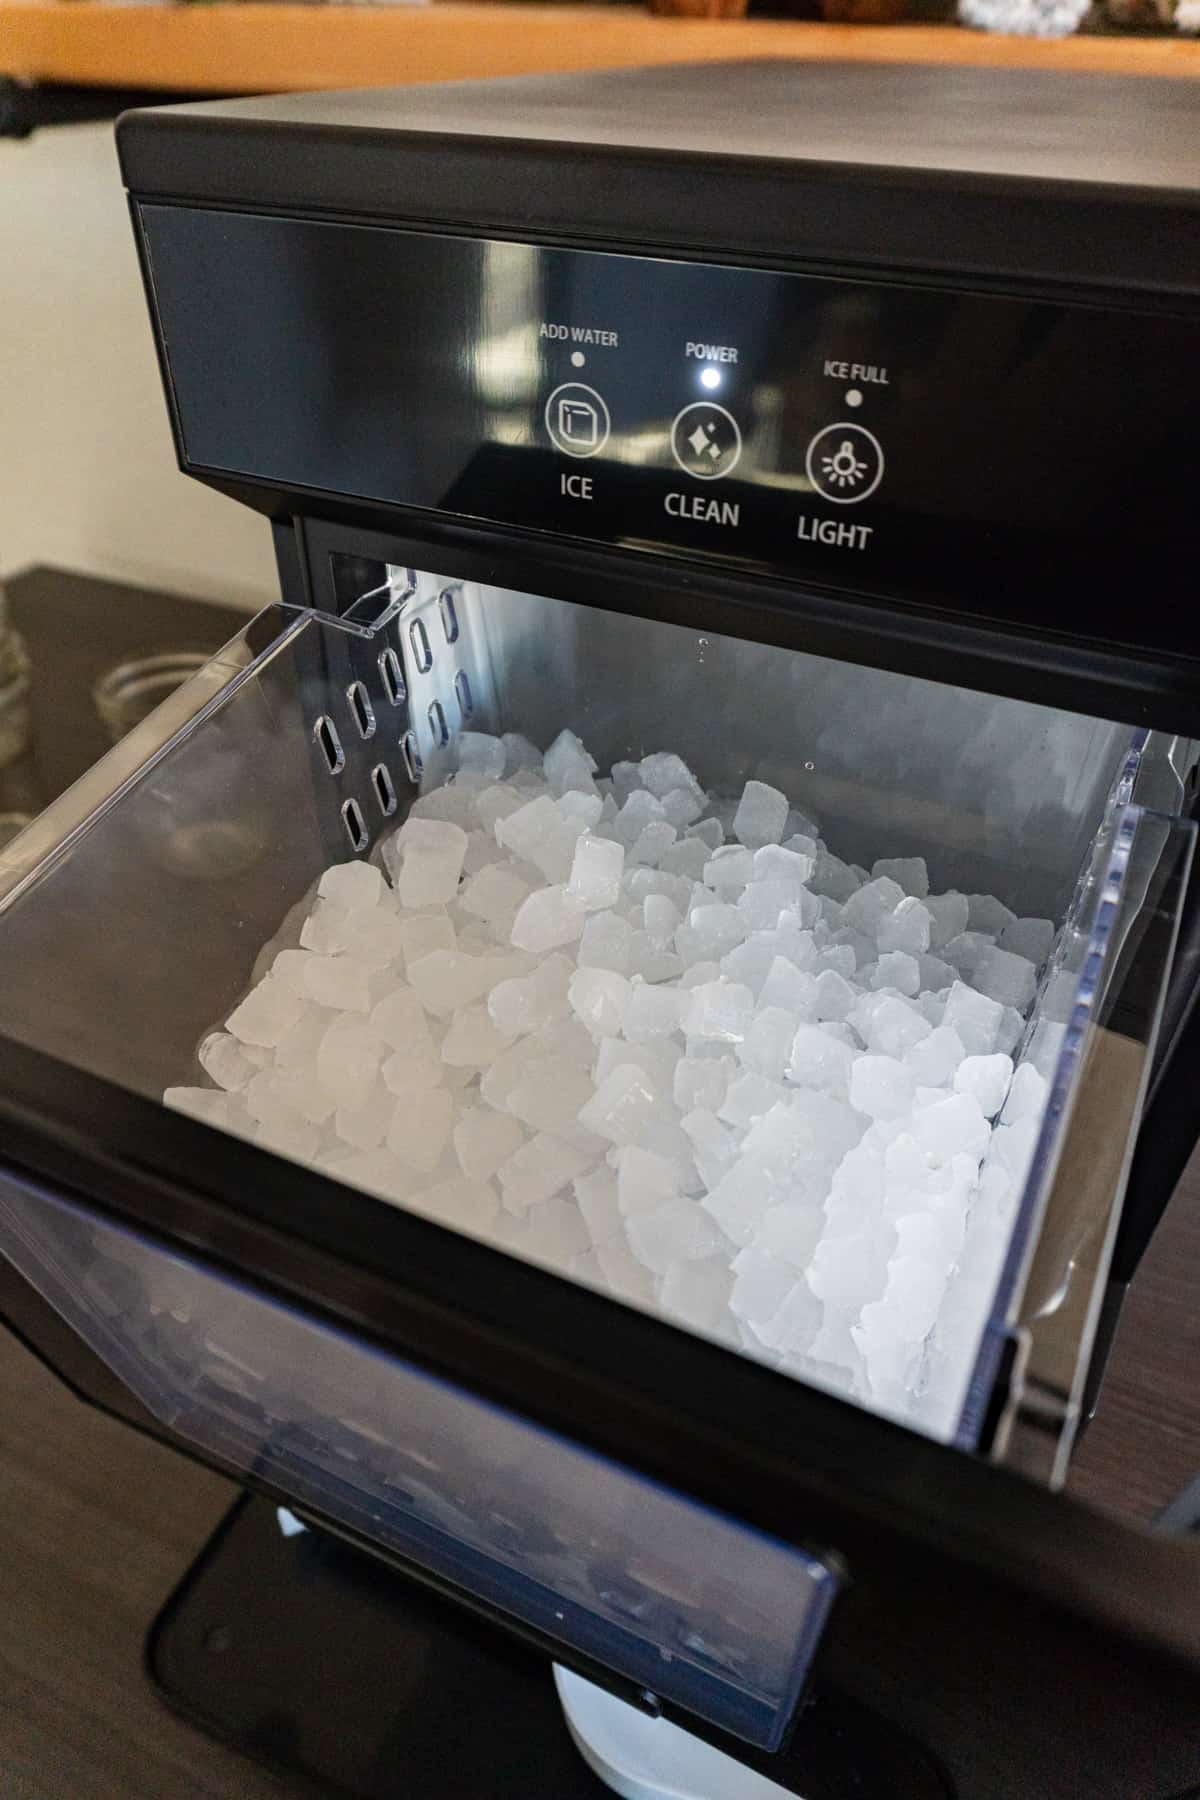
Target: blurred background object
{"x": 80, "y": 639}
{"x": 63, "y": 52}
{"x": 1138, "y": 15}
{"x": 1027, "y": 18}
{"x": 14, "y": 690}
{"x": 89, "y": 476}
{"x": 124, "y": 695}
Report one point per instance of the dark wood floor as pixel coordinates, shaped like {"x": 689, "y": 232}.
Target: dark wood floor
{"x": 1143, "y": 1445}
{"x": 97, "y": 1524}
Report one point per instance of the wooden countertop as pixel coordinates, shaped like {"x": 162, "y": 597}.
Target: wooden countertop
{"x": 254, "y": 48}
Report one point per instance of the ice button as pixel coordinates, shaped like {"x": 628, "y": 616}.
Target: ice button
{"x": 577, "y": 419}
{"x": 845, "y": 463}
{"x": 706, "y": 441}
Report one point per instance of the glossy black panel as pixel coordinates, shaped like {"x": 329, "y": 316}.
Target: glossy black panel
{"x": 1019, "y": 460}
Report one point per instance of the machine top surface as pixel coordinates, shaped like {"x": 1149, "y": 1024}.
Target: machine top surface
{"x": 984, "y": 174}
{"x": 1012, "y": 123}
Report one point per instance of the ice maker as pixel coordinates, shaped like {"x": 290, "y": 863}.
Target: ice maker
{"x": 834, "y": 431}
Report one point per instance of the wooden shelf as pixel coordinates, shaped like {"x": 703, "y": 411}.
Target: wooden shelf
{"x": 255, "y": 48}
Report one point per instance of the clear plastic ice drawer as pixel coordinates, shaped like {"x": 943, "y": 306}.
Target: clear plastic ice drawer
{"x": 137, "y": 913}
{"x": 693, "y": 1607}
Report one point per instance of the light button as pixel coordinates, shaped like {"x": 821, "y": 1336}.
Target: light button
{"x": 845, "y": 463}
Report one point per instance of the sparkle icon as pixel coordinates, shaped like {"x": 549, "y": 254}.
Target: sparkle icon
{"x": 706, "y": 440}
{"x": 703, "y": 443}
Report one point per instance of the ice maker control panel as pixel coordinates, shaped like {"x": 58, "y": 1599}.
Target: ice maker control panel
{"x": 1027, "y": 458}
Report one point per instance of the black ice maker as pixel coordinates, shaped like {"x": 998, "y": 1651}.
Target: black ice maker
{"x": 718, "y": 412}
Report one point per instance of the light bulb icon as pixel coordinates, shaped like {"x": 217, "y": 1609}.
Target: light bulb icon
{"x": 844, "y": 463}
{"x": 843, "y": 468}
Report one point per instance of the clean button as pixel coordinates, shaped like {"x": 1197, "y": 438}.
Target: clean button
{"x": 706, "y": 441}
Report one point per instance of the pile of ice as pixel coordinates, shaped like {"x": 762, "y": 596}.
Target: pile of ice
{"x": 669, "y": 1045}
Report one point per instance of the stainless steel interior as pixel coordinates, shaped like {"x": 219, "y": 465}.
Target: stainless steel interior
{"x": 999, "y": 796}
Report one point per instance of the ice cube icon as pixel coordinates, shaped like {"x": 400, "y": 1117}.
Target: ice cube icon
{"x": 578, "y": 422}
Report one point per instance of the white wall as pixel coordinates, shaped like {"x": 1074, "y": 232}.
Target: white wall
{"x": 87, "y": 469}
